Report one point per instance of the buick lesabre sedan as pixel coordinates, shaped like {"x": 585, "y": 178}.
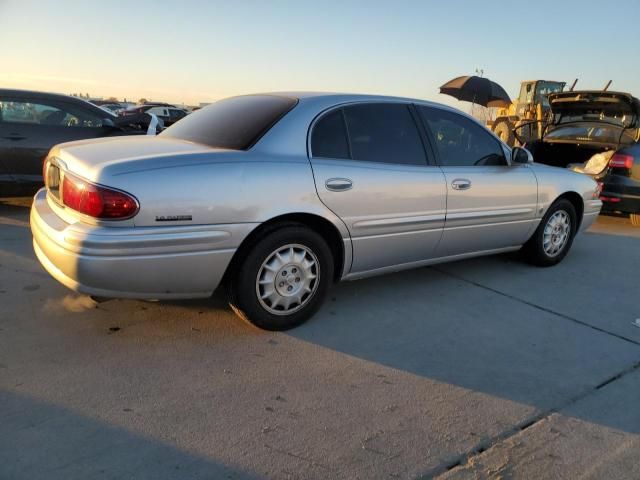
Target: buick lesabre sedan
{"x": 280, "y": 195}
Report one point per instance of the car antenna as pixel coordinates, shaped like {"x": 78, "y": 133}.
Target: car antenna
{"x": 607, "y": 86}
{"x": 573, "y": 85}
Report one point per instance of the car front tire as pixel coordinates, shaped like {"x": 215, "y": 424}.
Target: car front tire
{"x": 553, "y": 238}
{"x": 283, "y": 279}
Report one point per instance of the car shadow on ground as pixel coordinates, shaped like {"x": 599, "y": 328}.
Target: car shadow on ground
{"x": 70, "y": 442}
{"x": 480, "y": 324}
{"x": 15, "y": 232}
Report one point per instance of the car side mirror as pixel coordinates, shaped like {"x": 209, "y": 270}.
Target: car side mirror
{"x": 521, "y": 155}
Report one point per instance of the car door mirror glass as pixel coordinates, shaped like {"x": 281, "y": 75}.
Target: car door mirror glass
{"x": 521, "y": 155}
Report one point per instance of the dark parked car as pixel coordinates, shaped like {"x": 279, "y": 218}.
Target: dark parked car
{"x": 169, "y": 114}
{"x": 597, "y": 133}
{"x": 33, "y": 122}
{"x": 115, "y": 108}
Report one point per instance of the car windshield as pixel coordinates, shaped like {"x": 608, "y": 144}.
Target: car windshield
{"x": 544, "y": 88}
{"x": 235, "y": 123}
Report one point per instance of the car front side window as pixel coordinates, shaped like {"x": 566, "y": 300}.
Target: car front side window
{"x": 460, "y": 141}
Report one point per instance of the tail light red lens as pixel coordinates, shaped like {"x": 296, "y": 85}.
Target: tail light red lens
{"x": 95, "y": 200}
{"x": 620, "y": 160}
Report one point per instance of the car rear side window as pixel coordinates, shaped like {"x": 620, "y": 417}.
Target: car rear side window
{"x": 329, "y": 137}
{"x": 385, "y": 133}
{"x": 460, "y": 141}
{"x": 236, "y": 123}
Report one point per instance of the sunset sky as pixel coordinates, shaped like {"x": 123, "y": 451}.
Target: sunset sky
{"x": 199, "y": 51}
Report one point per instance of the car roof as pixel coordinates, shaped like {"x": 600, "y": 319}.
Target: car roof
{"x": 37, "y": 94}
{"x": 338, "y": 97}
{"x": 310, "y": 105}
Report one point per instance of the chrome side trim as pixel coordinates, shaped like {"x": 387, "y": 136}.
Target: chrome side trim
{"x": 156, "y": 239}
{"x": 399, "y": 221}
{"x": 489, "y": 213}
{"x": 462, "y": 227}
{"x": 399, "y": 234}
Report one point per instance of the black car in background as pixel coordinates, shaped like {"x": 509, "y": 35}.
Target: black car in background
{"x": 167, "y": 113}
{"x": 597, "y": 133}
{"x": 33, "y": 122}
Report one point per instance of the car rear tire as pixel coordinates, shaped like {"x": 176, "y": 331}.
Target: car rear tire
{"x": 635, "y": 219}
{"x": 283, "y": 279}
{"x": 552, "y": 240}
{"x": 504, "y": 130}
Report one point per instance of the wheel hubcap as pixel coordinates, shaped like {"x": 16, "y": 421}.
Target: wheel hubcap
{"x": 287, "y": 279}
{"x": 556, "y": 233}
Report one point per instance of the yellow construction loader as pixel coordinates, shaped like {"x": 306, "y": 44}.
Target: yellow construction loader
{"x": 524, "y": 119}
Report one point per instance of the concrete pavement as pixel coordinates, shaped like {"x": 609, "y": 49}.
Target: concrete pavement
{"x": 487, "y": 368}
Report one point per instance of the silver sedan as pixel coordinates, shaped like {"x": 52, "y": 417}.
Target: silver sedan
{"x": 280, "y": 195}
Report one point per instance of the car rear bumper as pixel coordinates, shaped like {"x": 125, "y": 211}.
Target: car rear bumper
{"x": 617, "y": 202}
{"x": 620, "y": 194}
{"x": 133, "y": 262}
{"x": 591, "y": 211}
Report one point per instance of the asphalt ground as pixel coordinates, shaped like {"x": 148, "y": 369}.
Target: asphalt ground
{"x": 486, "y": 368}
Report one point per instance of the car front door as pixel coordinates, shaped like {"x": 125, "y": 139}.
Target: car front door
{"x": 30, "y": 127}
{"x": 490, "y": 202}
{"x": 371, "y": 170}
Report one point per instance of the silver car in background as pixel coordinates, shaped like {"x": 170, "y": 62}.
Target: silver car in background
{"x": 280, "y": 195}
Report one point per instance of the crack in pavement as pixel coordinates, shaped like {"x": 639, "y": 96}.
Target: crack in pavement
{"x": 539, "y": 307}
{"x": 463, "y": 459}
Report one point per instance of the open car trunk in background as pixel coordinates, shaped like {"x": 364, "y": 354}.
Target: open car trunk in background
{"x": 584, "y": 124}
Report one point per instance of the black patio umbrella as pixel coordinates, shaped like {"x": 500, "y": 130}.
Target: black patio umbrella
{"x": 479, "y": 90}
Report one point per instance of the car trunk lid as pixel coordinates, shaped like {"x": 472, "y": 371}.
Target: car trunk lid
{"x": 90, "y": 158}
{"x": 613, "y": 105}
{"x": 593, "y": 119}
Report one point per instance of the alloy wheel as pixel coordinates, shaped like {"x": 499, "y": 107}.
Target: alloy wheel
{"x": 556, "y": 233}
{"x": 287, "y": 279}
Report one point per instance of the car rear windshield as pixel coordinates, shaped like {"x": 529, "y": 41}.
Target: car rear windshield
{"x": 235, "y": 123}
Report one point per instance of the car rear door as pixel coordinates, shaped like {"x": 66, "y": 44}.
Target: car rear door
{"x": 491, "y": 204}
{"x": 30, "y": 127}
{"x": 371, "y": 169}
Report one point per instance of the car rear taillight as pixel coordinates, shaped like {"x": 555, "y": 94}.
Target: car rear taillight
{"x": 97, "y": 201}
{"x": 620, "y": 160}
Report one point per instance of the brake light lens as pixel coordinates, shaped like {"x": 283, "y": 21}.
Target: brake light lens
{"x": 620, "y": 160}
{"x": 97, "y": 201}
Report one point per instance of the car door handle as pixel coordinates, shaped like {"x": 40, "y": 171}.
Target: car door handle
{"x": 338, "y": 184}
{"x": 15, "y": 136}
{"x": 461, "y": 184}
